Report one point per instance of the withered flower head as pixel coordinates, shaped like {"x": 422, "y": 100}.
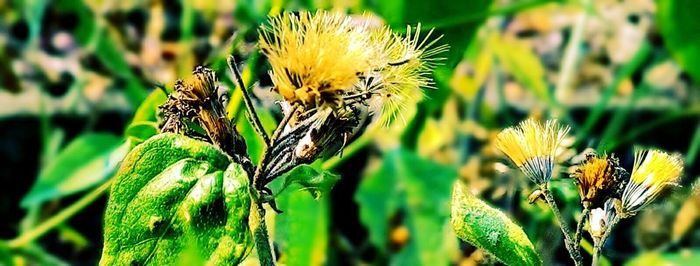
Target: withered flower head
{"x": 599, "y": 177}
{"x": 653, "y": 171}
{"x": 195, "y": 103}
{"x": 532, "y": 147}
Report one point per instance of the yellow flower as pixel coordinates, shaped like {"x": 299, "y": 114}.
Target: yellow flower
{"x": 598, "y": 178}
{"x": 532, "y": 147}
{"x": 329, "y": 60}
{"x": 653, "y": 171}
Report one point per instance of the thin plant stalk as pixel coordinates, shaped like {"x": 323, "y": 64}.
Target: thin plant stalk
{"x": 45, "y": 227}
{"x": 570, "y": 245}
{"x": 598, "y": 243}
{"x": 581, "y": 223}
{"x": 252, "y": 115}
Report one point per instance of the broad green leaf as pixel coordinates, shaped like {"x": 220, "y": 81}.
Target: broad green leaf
{"x": 378, "y": 199}
{"x": 683, "y": 257}
{"x": 174, "y": 197}
{"x": 679, "y": 26}
{"x": 316, "y": 182}
{"x": 488, "y": 228}
{"x": 88, "y": 160}
{"x": 301, "y": 231}
{"x": 422, "y": 188}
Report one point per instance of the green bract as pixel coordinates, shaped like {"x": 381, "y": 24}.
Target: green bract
{"x": 177, "y": 200}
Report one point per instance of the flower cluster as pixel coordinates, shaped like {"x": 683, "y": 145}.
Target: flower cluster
{"x": 334, "y": 72}
{"x": 606, "y": 188}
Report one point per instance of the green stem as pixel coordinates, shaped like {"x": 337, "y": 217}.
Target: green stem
{"x": 260, "y": 235}
{"x": 568, "y": 242}
{"x": 598, "y": 243}
{"x": 59, "y": 218}
{"x": 581, "y": 223}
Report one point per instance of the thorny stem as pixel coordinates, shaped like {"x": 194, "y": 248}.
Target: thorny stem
{"x": 252, "y": 115}
{"x": 59, "y": 218}
{"x": 598, "y": 243}
{"x": 579, "y": 228}
{"x": 568, "y": 242}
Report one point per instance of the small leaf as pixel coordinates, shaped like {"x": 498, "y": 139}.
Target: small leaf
{"x": 148, "y": 109}
{"x": 487, "y": 228}
{"x": 316, "y": 182}
{"x": 87, "y": 161}
{"x": 141, "y": 131}
{"x": 174, "y": 199}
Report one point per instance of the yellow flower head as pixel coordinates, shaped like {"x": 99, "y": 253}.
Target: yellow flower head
{"x": 532, "y": 146}
{"x": 598, "y": 178}
{"x": 327, "y": 59}
{"x": 653, "y": 171}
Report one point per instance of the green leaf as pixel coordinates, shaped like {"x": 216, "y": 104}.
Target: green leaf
{"x": 422, "y": 188}
{"x": 679, "y": 26}
{"x": 684, "y": 257}
{"x": 145, "y": 122}
{"x": 488, "y": 228}
{"x": 87, "y": 161}
{"x": 148, "y": 109}
{"x": 174, "y": 198}
{"x": 301, "y": 232}
{"x": 5, "y": 254}
{"x": 522, "y": 62}
{"x": 141, "y": 131}
{"x": 377, "y": 197}
{"x": 316, "y": 182}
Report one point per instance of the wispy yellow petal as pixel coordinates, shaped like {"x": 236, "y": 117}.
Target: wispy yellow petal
{"x": 653, "y": 171}
{"x": 532, "y": 146}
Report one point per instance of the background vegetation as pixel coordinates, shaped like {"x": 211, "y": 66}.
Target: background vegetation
{"x": 79, "y": 85}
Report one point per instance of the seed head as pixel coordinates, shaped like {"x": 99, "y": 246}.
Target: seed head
{"x": 653, "y": 171}
{"x": 532, "y": 147}
{"x": 328, "y": 59}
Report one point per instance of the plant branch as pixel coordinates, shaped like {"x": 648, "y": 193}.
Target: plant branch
{"x": 598, "y": 243}
{"x": 59, "y": 218}
{"x": 252, "y": 114}
{"x": 259, "y": 229}
{"x": 579, "y": 227}
{"x": 568, "y": 242}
